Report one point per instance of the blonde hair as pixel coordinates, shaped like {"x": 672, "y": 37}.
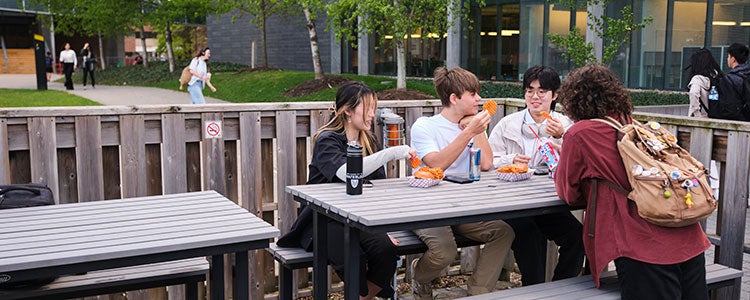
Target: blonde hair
{"x": 348, "y": 97}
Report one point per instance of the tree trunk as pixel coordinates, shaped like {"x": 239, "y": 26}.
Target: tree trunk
{"x": 168, "y": 42}
{"x": 143, "y": 42}
{"x": 314, "y": 44}
{"x": 101, "y": 52}
{"x": 400, "y": 64}
{"x": 263, "y": 40}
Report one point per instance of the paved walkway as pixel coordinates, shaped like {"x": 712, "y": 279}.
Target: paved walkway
{"x": 134, "y": 95}
{"x": 106, "y": 94}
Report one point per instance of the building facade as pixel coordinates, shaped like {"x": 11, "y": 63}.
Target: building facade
{"x": 505, "y": 38}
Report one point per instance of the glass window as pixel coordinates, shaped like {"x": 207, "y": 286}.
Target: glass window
{"x": 731, "y": 24}
{"x": 688, "y": 35}
{"x": 650, "y": 65}
{"x": 531, "y": 41}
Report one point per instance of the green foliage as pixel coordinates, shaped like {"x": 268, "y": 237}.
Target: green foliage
{"x": 35, "y": 98}
{"x": 638, "y": 97}
{"x": 158, "y": 71}
{"x": 184, "y": 44}
{"x": 501, "y": 90}
{"x": 579, "y": 51}
{"x": 614, "y": 32}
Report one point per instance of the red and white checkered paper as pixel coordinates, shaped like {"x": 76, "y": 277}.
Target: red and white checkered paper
{"x": 423, "y": 183}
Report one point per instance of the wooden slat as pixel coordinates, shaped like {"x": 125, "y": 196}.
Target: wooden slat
{"x": 286, "y": 160}
{"x": 231, "y": 179}
{"x": 701, "y": 144}
{"x": 153, "y": 170}
{"x": 20, "y": 162}
{"x": 111, "y": 174}
{"x": 251, "y": 179}
{"x": 735, "y": 203}
{"x": 173, "y": 153}
{"x": 42, "y": 146}
{"x": 193, "y": 171}
{"x": 66, "y": 166}
{"x": 89, "y": 159}
{"x": 133, "y": 156}
{"x": 4, "y": 153}
{"x": 213, "y": 159}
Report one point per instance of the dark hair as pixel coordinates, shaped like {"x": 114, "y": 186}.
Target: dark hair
{"x": 349, "y": 96}
{"x": 739, "y": 52}
{"x": 202, "y": 52}
{"x": 702, "y": 62}
{"x": 594, "y": 91}
{"x": 547, "y": 76}
{"x": 548, "y": 80}
{"x": 454, "y": 81}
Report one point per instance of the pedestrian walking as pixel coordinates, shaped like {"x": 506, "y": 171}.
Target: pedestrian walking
{"x": 88, "y": 60}
{"x": 199, "y": 70}
{"x": 70, "y": 63}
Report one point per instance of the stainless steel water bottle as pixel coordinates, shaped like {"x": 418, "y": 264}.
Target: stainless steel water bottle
{"x": 354, "y": 169}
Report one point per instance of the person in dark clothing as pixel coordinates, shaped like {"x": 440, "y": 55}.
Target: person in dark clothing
{"x": 89, "y": 64}
{"x": 351, "y": 122}
{"x": 653, "y": 262}
{"x": 48, "y": 65}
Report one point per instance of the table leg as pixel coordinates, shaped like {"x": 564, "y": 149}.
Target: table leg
{"x": 320, "y": 260}
{"x": 351, "y": 256}
{"x": 216, "y": 274}
{"x": 241, "y": 278}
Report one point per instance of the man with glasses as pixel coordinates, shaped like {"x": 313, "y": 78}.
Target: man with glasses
{"x": 516, "y": 139}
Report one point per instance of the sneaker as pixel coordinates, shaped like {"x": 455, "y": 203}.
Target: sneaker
{"x": 421, "y": 291}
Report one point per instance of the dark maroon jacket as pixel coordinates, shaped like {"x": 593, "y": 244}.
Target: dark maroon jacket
{"x": 590, "y": 151}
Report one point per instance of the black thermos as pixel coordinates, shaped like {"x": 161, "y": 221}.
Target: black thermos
{"x": 354, "y": 169}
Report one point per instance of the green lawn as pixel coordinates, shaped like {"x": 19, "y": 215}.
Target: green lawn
{"x": 269, "y": 86}
{"x": 33, "y": 98}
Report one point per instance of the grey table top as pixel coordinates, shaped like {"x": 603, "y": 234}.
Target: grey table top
{"x": 86, "y": 233}
{"x": 392, "y": 201}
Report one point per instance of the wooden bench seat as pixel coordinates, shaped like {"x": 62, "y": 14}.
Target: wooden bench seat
{"x": 583, "y": 287}
{"x": 187, "y": 271}
{"x": 297, "y": 258}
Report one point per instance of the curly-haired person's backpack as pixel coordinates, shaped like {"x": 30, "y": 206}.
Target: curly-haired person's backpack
{"x": 669, "y": 186}
{"x": 185, "y": 77}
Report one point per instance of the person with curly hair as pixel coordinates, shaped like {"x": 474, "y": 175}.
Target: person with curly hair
{"x": 653, "y": 262}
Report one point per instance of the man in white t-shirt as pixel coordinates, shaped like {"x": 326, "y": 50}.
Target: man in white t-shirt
{"x": 441, "y": 142}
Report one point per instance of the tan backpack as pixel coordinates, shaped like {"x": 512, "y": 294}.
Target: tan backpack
{"x": 669, "y": 186}
{"x": 185, "y": 77}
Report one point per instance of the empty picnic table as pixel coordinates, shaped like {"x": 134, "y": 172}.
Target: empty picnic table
{"x": 81, "y": 237}
{"x": 391, "y": 205}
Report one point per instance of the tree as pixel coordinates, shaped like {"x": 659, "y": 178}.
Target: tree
{"x": 393, "y": 18}
{"x": 167, "y": 13}
{"x": 89, "y": 17}
{"x": 259, "y": 10}
{"x": 614, "y": 32}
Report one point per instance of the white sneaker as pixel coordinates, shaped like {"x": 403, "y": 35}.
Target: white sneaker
{"x": 421, "y": 291}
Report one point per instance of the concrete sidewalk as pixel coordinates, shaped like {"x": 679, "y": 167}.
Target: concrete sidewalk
{"x": 106, "y": 94}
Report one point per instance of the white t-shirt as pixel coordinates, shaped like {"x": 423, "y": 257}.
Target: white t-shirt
{"x": 198, "y": 65}
{"x": 432, "y": 134}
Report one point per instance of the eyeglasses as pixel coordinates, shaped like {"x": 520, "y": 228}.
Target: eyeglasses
{"x": 539, "y": 92}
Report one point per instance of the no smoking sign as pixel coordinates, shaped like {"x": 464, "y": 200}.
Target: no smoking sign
{"x": 212, "y": 130}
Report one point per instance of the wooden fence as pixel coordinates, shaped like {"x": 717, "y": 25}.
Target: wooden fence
{"x": 113, "y": 152}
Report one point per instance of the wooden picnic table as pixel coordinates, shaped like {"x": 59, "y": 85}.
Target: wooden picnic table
{"x": 391, "y": 204}
{"x": 81, "y": 237}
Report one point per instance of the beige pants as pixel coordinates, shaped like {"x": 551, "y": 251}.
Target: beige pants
{"x": 497, "y": 236}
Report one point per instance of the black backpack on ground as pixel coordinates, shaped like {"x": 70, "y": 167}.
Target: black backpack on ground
{"x": 734, "y": 101}
{"x": 18, "y": 196}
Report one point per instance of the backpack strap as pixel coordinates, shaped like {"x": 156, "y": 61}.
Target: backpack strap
{"x": 609, "y": 121}
{"x": 593, "y": 192}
